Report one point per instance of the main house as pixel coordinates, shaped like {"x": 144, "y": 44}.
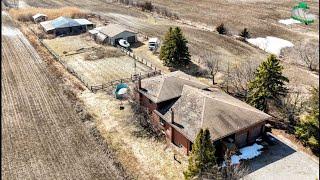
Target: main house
{"x": 66, "y": 26}
{"x": 180, "y": 106}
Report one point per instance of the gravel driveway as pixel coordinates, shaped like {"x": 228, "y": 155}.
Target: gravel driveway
{"x": 281, "y": 161}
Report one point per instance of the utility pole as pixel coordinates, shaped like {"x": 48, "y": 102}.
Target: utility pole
{"x": 228, "y": 74}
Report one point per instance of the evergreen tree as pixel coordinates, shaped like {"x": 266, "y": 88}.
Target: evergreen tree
{"x": 268, "y": 84}
{"x": 245, "y": 33}
{"x": 202, "y": 155}
{"x": 174, "y": 51}
{"x": 221, "y": 29}
{"x": 308, "y": 127}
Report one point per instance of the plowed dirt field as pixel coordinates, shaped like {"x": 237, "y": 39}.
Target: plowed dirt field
{"x": 42, "y": 136}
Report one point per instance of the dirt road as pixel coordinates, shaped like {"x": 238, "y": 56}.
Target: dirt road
{"x": 42, "y": 136}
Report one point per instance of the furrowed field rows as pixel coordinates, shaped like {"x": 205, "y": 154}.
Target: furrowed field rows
{"x": 42, "y": 136}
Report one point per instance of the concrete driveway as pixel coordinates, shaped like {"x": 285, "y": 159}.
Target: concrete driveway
{"x": 281, "y": 161}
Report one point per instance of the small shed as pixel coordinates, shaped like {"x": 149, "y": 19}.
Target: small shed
{"x": 101, "y": 38}
{"x": 37, "y": 18}
{"x": 115, "y": 32}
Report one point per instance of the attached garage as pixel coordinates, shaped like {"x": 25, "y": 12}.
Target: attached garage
{"x": 254, "y": 133}
{"x": 241, "y": 138}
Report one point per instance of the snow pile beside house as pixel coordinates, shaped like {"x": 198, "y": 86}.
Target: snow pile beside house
{"x": 270, "y": 44}
{"x": 289, "y": 21}
{"x": 248, "y": 152}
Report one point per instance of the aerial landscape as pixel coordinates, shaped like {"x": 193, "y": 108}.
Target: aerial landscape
{"x": 160, "y": 89}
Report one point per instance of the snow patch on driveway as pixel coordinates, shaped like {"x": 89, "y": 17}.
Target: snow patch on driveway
{"x": 270, "y": 44}
{"x": 247, "y": 152}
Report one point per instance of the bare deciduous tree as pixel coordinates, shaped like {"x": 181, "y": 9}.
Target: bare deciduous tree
{"x": 226, "y": 172}
{"x": 309, "y": 55}
{"x": 239, "y": 75}
{"x": 211, "y": 64}
{"x": 291, "y": 107}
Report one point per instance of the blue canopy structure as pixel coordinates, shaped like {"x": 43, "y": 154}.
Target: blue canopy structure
{"x": 121, "y": 91}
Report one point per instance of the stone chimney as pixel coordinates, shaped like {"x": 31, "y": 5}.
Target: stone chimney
{"x": 172, "y": 116}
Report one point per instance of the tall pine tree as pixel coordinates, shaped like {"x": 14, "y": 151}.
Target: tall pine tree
{"x": 202, "y": 156}
{"x": 174, "y": 51}
{"x": 268, "y": 84}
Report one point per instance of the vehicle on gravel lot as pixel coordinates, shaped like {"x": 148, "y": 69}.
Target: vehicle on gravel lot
{"x": 153, "y": 43}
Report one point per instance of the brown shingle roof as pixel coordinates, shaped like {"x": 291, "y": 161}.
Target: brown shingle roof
{"x": 168, "y": 86}
{"x": 112, "y": 30}
{"x": 219, "y": 112}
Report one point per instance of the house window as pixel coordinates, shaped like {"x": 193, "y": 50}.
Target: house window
{"x": 162, "y": 122}
{"x": 150, "y": 102}
{"x": 180, "y": 145}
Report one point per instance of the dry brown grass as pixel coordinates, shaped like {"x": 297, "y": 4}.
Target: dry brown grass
{"x": 102, "y": 52}
{"x": 27, "y": 13}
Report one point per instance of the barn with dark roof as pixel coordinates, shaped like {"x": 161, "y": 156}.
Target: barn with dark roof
{"x": 66, "y": 26}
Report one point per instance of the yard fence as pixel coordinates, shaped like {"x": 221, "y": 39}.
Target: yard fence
{"x": 58, "y": 58}
{"x": 95, "y": 88}
{"x": 133, "y": 78}
{"x": 137, "y": 58}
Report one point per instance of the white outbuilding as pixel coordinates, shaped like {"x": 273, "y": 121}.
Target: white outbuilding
{"x": 39, "y": 17}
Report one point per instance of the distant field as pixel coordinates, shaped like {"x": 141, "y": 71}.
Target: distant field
{"x": 259, "y": 16}
{"x": 94, "y": 72}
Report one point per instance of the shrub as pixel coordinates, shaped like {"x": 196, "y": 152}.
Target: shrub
{"x": 307, "y": 129}
{"x": 103, "y": 53}
{"x": 221, "y": 29}
{"x": 245, "y": 33}
{"x": 148, "y": 6}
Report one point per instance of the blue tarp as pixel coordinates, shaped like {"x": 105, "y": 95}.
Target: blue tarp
{"x": 63, "y": 22}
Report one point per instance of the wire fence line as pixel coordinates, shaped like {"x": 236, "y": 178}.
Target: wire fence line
{"x": 94, "y": 88}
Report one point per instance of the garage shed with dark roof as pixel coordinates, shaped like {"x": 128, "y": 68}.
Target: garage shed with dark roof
{"x": 66, "y": 26}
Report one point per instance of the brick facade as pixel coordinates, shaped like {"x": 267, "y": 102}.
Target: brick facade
{"x": 242, "y": 138}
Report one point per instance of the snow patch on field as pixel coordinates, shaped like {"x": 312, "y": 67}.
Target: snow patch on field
{"x": 4, "y": 13}
{"x": 270, "y": 44}
{"x": 8, "y": 31}
{"x": 22, "y": 4}
{"x": 289, "y": 21}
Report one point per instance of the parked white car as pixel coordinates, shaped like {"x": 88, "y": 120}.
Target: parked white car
{"x": 124, "y": 43}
